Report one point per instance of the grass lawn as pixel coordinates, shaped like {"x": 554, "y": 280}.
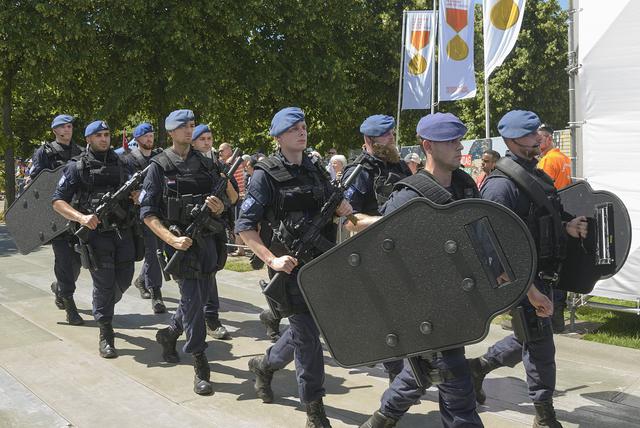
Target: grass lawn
{"x": 238, "y": 264}
{"x": 621, "y": 329}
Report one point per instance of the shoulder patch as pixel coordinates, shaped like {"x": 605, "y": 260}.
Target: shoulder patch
{"x": 248, "y": 203}
{"x": 62, "y": 180}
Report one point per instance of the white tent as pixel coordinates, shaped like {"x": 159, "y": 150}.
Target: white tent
{"x": 608, "y": 104}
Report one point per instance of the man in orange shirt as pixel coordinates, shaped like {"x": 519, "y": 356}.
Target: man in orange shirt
{"x": 558, "y": 166}
{"x": 552, "y": 161}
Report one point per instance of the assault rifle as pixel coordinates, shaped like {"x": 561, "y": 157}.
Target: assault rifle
{"x": 201, "y": 215}
{"x": 310, "y": 238}
{"x": 110, "y": 202}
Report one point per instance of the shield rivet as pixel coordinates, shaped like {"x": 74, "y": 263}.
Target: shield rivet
{"x": 25, "y": 205}
{"x": 392, "y": 340}
{"x": 41, "y": 236}
{"x": 450, "y": 247}
{"x": 54, "y": 226}
{"x": 388, "y": 245}
{"x": 36, "y": 194}
{"x": 468, "y": 284}
{"x": 354, "y": 259}
{"x": 426, "y": 327}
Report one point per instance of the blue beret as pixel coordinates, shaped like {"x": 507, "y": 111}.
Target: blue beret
{"x": 376, "y": 125}
{"x": 440, "y": 127}
{"x": 200, "y": 129}
{"x": 178, "y": 118}
{"x": 61, "y": 119}
{"x": 143, "y": 128}
{"x": 518, "y": 123}
{"x": 96, "y": 126}
{"x": 285, "y": 119}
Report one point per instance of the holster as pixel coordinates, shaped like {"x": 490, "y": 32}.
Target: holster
{"x": 87, "y": 256}
{"x": 277, "y": 299}
{"x": 527, "y": 326}
{"x": 425, "y": 373}
{"x": 138, "y": 240}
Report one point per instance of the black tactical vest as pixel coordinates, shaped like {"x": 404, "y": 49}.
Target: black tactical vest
{"x": 426, "y": 185}
{"x": 546, "y": 227}
{"x": 297, "y": 198}
{"x": 99, "y": 174}
{"x": 58, "y": 155}
{"x": 188, "y": 183}
{"x": 384, "y": 176}
{"x": 138, "y": 160}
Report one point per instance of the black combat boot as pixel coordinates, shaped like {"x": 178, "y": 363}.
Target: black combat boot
{"x": 378, "y": 420}
{"x": 106, "y": 347}
{"x": 264, "y": 375}
{"x": 167, "y": 338}
{"x": 201, "y": 383}
{"x": 139, "y": 283}
{"x": 545, "y": 415}
{"x": 316, "y": 418}
{"x": 216, "y": 330}
{"x": 156, "y": 301}
{"x": 73, "y": 317}
{"x": 480, "y": 367}
{"x": 271, "y": 323}
{"x": 58, "y": 300}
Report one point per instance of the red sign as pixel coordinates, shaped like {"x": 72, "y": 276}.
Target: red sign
{"x": 466, "y": 160}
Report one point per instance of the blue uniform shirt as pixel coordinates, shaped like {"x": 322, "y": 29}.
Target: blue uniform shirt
{"x": 69, "y": 183}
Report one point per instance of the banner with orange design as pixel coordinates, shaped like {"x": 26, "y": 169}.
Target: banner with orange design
{"x": 418, "y": 57}
{"x": 456, "y": 72}
{"x": 502, "y": 22}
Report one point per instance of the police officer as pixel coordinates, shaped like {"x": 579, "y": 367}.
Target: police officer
{"x": 520, "y": 132}
{"x": 97, "y": 171}
{"x": 179, "y": 179}
{"x": 149, "y": 282}
{"x": 440, "y": 136}
{"x": 371, "y": 189}
{"x": 288, "y": 189}
{"x": 202, "y": 141}
{"x": 66, "y": 265}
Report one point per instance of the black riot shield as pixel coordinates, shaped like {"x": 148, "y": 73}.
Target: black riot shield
{"x": 608, "y": 241}
{"x": 425, "y": 278}
{"x": 31, "y": 219}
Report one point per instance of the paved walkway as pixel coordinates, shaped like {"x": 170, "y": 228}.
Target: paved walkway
{"x": 51, "y": 374}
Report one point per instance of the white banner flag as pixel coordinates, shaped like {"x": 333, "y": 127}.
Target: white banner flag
{"x": 456, "y": 72}
{"x": 418, "y": 56}
{"x": 502, "y": 22}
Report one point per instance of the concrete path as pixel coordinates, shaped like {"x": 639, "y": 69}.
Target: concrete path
{"x": 52, "y": 376}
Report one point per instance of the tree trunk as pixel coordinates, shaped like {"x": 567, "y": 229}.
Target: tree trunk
{"x": 9, "y": 155}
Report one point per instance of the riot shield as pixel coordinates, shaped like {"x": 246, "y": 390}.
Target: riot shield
{"x": 425, "y": 278}
{"x": 608, "y": 241}
{"x": 31, "y": 219}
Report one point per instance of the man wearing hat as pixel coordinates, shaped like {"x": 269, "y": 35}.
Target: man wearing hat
{"x": 371, "y": 189}
{"x": 202, "y": 141}
{"x": 519, "y": 129}
{"x": 382, "y": 169}
{"x": 179, "y": 179}
{"x": 413, "y": 161}
{"x": 288, "y": 189}
{"x": 66, "y": 265}
{"x": 97, "y": 171}
{"x": 440, "y": 135}
{"x": 149, "y": 282}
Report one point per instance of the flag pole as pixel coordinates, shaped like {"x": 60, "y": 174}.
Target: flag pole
{"x": 486, "y": 107}
{"x": 433, "y": 56}
{"x": 403, "y": 32}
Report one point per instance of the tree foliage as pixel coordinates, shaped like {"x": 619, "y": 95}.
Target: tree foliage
{"x": 236, "y": 63}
